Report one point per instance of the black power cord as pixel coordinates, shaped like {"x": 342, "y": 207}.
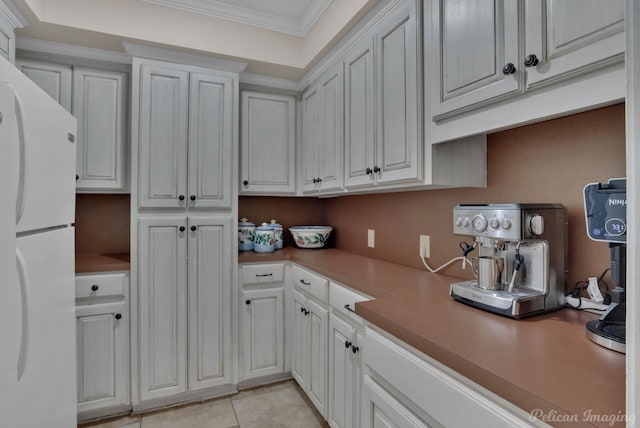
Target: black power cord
{"x": 582, "y": 285}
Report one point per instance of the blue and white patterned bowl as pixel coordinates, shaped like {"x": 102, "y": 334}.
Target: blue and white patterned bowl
{"x": 310, "y": 236}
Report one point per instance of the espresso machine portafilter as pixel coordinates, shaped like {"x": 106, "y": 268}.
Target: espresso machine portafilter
{"x": 520, "y": 268}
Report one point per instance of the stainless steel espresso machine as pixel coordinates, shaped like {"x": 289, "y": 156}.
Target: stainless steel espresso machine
{"x": 522, "y": 257}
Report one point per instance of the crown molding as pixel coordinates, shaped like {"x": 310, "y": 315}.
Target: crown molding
{"x": 56, "y": 48}
{"x": 243, "y": 15}
{"x": 12, "y": 14}
{"x": 173, "y": 55}
{"x": 270, "y": 82}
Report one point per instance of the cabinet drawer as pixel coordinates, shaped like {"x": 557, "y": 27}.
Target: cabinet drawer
{"x": 344, "y": 300}
{"x": 271, "y": 272}
{"x": 112, "y": 284}
{"x": 311, "y": 283}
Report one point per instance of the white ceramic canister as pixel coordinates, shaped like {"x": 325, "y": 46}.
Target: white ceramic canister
{"x": 246, "y": 234}
{"x": 277, "y": 230}
{"x": 265, "y": 240}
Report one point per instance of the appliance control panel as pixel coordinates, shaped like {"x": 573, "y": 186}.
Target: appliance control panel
{"x": 487, "y": 221}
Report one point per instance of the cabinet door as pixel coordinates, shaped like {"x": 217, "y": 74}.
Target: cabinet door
{"x": 209, "y": 301}
{"x": 331, "y": 128}
{"x": 99, "y": 104}
{"x": 163, "y": 137}
{"x": 572, "y": 37}
{"x": 359, "y": 114}
{"x": 310, "y": 139}
{"x": 299, "y": 340}
{"x": 102, "y": 336}
{"x": 318, "y": 355}
{"x": 268, "y": 143}
{"x": 54, "y": 79}
{"x": 262, "y": 332}
{"x": 381, "y": 410}
{"x": 342, "y": 379}
{"x": 474, "y": 40}
{"x": 162, "y": 305}
{"x": 210, "y": 141}
{"x": 398, "y": 84}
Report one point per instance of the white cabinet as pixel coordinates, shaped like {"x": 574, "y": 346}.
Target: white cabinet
{"x": 100, "y": 105}
{"x": 381, "y": 410}
{"x": 54, "y": 79}
{"x": 262, "y": 331}
{"x": 359, "y": 114}
{"x": 262, "y": 320}
{"x": 572, "y": 37}
{"x": 268, "y": 139}
{"x": 102, "y": 341}
{"x": 98, "y": 98}
{"x": 476, "y": 40}
{"x": 481, "y": 52}
{"x": 184, "y": 303}
{"x": 383, "y": 137}
{"x": 323, "y": 131}
{"x": 419, "y": 391}
{"x": 398, "y": 100}
{"x": 185, "y": 138}
{"x": 344, "y": 374}
{"x": 309, "y": 349}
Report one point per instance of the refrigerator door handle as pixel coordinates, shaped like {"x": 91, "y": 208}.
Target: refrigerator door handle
{"x": 22, "y": 165}
{"x": 23, "y": 280}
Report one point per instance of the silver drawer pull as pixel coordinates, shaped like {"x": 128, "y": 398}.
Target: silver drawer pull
{"x": 305, "y": 282}
{"x": 258, "y": 275}
{"x": 348, "y": 308}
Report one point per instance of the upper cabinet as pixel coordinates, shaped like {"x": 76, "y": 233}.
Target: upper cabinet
{"x": 185, "y": 138}
{"x": 479, "y": 56}
{"x": 571, "y": 37}
{"x": 383, "y": 132}
{"x": 54, "y": 79}
{"x": 481, "y": 52}
{"x": 100, "y": 105}
{"x": 323, "y": 130}
{"x": 98, "y": 98}
{"x": 267, "y": 147}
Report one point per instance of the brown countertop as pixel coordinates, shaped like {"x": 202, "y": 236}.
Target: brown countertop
{"x": 544, "y": 362}
{"x": 86, "y": 263}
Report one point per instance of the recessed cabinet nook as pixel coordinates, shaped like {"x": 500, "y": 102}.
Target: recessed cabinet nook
{"x": 403, "y": 101}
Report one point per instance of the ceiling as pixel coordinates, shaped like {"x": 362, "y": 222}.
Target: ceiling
{"x": 294, "y": 17}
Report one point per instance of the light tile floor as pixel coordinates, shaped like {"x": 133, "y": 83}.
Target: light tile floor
{"x": 281, "y": 405}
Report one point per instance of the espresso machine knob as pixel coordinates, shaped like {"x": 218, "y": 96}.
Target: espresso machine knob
{"x": 465, "y": 222}
{"x": 494, "y": 223}
{"x": 506, "y": 224}
{"x": 479, "y": 223}
{"x": 536, "y": 225}
{"x": 458, "y": 221}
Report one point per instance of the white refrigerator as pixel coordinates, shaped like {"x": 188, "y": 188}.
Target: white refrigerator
{"x": 37, "y": 208}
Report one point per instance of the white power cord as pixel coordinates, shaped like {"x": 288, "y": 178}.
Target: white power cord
{"x": 453, "y": 260}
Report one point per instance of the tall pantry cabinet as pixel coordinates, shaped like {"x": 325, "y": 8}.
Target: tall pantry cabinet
{"x": 184, "y": 135}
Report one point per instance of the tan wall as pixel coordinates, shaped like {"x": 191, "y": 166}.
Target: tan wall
{"x": 287, "y": 211}
{"x": 546, "y": 162}
{"x": 102, "y": 224}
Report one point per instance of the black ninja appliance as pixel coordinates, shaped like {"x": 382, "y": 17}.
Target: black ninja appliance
{"x": 606, "y": 213}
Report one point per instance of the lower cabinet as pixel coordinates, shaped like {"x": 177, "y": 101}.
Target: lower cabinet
{"x": 262, "y": 331}
{"x": 309, "y": 348}
{"x": 102, "y": 344}
{"x": 381, "y": 410}
{"x": 405, "y": 388}
{"x": 184, "y": 304}
{"x": 344, "y": 374}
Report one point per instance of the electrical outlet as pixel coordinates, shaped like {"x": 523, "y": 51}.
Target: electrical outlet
{"x": 425, "y": 251}
{"x": 371, "y": 238}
